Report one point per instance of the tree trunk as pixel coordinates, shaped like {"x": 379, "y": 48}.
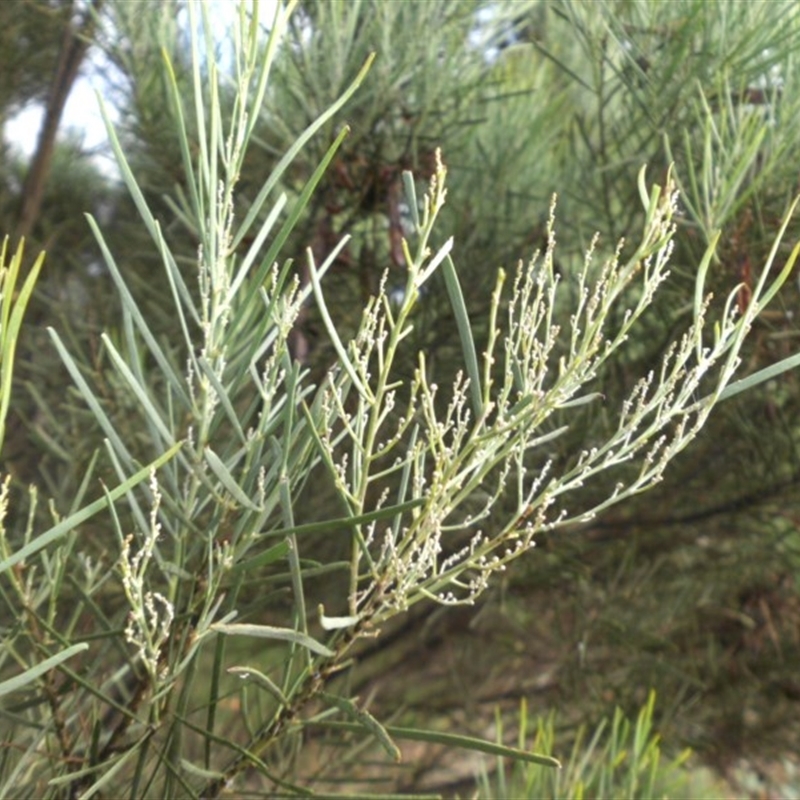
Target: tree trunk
{"x": 74, "y": 47}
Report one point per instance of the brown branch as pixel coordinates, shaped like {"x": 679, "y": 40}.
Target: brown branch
{"x": 73, "y": 51}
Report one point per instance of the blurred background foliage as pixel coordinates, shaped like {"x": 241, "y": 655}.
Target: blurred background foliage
{"x": 694, "y": 590}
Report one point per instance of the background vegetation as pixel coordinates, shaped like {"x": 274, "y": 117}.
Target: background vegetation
{"x": 690, "y": 589}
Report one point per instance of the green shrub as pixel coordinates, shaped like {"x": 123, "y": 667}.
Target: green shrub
{"x": 619, "y": 759}
{"x": 170, "y": 631}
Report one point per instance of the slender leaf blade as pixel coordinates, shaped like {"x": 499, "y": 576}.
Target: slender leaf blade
{"x": 272, "y": 632}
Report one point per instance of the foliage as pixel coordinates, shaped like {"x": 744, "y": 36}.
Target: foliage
{"x": 271, "y": 512}
{"x": 619, "y": 759}
{"x": 30, "y": 30}
{"x": 13, "y": 308}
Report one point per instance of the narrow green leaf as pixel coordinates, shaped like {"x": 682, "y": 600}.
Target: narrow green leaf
{"x": 772, "y": 371}
{"x": 563, "y": 66}
{"x": 349, "y": 522}
{"x": 411, "y": 197}
{"x": 700, "y": 281}
{"x": 133, "y": 502}
{"x": 271, "y": 632}
{"x": 269, "y": 556}
{"x": 199, "y": 772}
{"x": 547, "y": 437}
{"x": 344, "y": 359}
{"x": 72, "y": 521}
{"x": 296, "y": 147}
{"x": 289, "y": 224}
{"x": 582, "y": 401}
{"x": 448, "y": 740}
{"x": 249, "y": 673}
{"x": 257, "y": 244}
{"x": 465, "y": 334}
{"x": 91, "y": 400}
{"x": 287, "y": 504}
{"x": 180, "y": 291}
{"x": 644, "y": 194}
{"x": 434, "y": 263}
{"x": 13, "y": 311}
{"x": 8, "y": 280}
{"x": 117, "y": 765}
{"x": 222, "y": 396}
{"x": 183, "y": 138}
{"x": 758, "y": 302}
{"x": 226, "y": 479}
{"x": 127, "y": 174}
{"x": 229, "y": 744}
{"x": 366, "y": 721}
{"x": 31, "y": 674}
{"x": 153, "y": 415}
{"x": 266, "y": 57}
{"x": 764, "y": 299}
{"x": 471, "y": 743}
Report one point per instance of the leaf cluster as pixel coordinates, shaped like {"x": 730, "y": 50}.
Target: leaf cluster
{"x": 206, "y": 648}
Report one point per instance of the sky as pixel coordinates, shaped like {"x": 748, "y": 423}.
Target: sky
{"x": 82, "y": 112}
